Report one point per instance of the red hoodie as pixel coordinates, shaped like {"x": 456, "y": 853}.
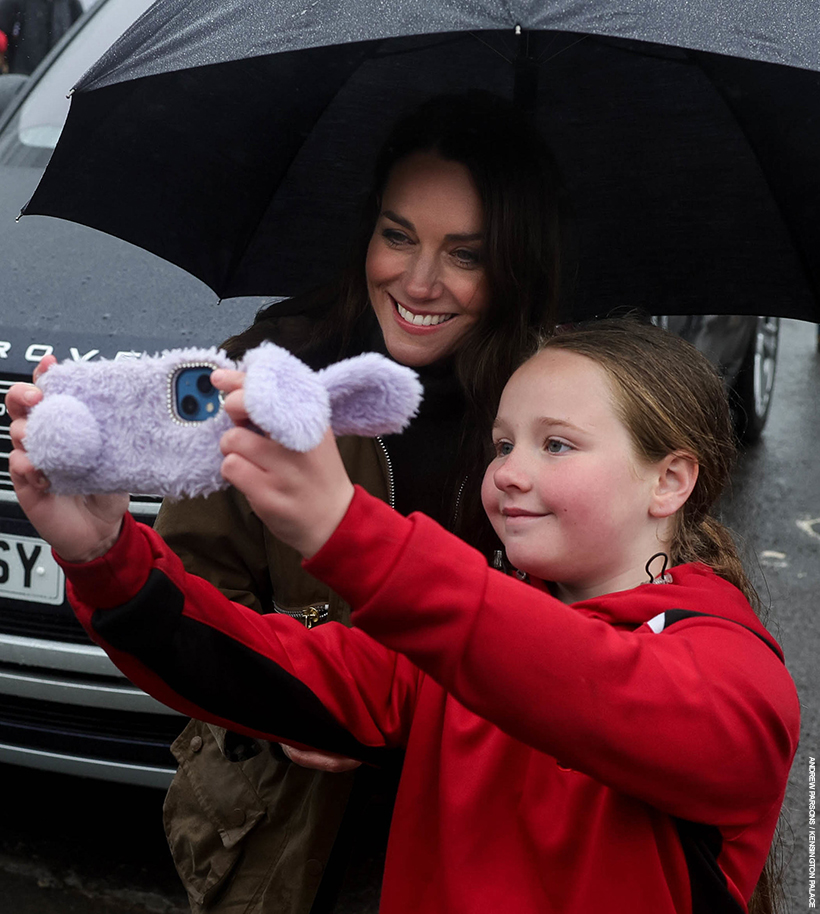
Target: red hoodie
{"x": 627, "y": 753}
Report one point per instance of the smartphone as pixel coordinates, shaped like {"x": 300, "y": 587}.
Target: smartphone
{"x": 148, "y": 426}
{"x": 152, "y": 426}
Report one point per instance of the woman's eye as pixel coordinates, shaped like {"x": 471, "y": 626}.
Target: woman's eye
{"x": 394, "y": 236}
{"x": 554, "y": 446}
{"x": 502, "y": 448}
{"x": 466, "y": 257}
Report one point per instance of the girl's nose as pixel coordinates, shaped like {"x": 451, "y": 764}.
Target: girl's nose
{"x": 511, "y": 473}
{"x": 422, "y": 279}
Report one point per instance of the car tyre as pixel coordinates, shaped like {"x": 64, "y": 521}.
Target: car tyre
{"x": 751, "y": 394}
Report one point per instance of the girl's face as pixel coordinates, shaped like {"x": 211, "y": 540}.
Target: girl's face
{"x": 425, "y": 269}
{"x": 566, "y": 492}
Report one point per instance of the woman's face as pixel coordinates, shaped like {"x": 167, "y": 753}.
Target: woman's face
{"x": 425, "y": 267}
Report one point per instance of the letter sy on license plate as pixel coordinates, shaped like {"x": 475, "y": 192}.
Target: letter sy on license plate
{"x": 28, "y": 571}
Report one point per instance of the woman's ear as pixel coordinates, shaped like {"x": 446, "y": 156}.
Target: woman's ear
{"x": 677, "y": 475}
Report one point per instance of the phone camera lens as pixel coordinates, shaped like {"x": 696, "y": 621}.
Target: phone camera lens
{"x": 203, "y": 384}
{"x": 189, "y": 405}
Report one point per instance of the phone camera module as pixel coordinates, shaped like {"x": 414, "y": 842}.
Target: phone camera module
{"x": 192, "y": 396}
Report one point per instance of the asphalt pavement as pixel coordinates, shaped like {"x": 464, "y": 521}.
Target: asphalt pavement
{"x": 774, "y": 508}
{"x": 73, "y": 846}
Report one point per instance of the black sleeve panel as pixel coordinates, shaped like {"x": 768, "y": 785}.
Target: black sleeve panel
{"x": 220, "y": 675}
{"x": 702, "y": 845}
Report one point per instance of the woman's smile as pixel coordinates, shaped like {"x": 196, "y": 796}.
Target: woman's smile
{"x": 419, "y": 319}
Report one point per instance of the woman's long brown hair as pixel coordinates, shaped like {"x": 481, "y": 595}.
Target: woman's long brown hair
{"x": 524, "y": 212}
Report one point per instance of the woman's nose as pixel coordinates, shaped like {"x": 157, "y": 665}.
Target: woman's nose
{"x": 422, "y": 279}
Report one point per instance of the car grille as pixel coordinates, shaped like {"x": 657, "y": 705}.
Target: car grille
{"x": 100, "y": 733}
{"x": 53, "y": 623}
{"x": 5, "y": 437}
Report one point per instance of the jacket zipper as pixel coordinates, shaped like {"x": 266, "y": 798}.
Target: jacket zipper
{"x": 309, "y": 616}
{"x": 391, "y": 491}
{"x": 458, "y": 500}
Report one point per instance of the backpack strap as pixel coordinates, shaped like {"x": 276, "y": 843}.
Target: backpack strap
{"x": 663, "y": 620}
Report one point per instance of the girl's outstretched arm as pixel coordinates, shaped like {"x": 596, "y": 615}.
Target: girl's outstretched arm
{"x": 182, "y": 641}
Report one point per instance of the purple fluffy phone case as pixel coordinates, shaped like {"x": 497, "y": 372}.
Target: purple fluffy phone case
{"x": 112, "y": 426}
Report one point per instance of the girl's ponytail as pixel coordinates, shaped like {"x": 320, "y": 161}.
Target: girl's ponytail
{"x": 710, "y": 542}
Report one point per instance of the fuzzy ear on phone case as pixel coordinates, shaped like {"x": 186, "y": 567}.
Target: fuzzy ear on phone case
{"x": 123, "y": 426}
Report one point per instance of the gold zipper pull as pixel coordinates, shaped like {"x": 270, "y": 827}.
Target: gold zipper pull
{"x": 311, "y": 616}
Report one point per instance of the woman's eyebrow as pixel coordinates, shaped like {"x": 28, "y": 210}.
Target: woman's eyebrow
{"x": 395, "y": 217}
{"x": 453, "y": 236}
{"x": 464, "y": 236}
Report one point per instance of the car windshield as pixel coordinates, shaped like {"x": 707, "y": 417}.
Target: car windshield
{"x": 29, "y": 138}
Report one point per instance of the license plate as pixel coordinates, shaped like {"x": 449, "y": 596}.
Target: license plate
{"x": 28, "y": 571}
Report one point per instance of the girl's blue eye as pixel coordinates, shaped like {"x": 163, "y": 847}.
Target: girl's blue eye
{"x": 503, "y": 448}
{"x": 554, "y": 446}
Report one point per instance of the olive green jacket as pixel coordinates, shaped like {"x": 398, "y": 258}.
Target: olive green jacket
{"x": 256, "y": 834}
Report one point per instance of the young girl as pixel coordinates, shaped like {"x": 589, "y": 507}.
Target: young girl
{"x": 614, "y": 732}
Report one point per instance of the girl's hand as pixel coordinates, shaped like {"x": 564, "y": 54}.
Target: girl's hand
{"x": 80, "y": 528}
{"x": 301, "y": 498}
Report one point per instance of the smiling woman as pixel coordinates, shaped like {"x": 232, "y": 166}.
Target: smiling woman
{"x": 425, "y": 262}
{"x": 453, "y": 272}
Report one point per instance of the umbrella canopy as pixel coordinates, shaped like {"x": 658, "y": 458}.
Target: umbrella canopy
{"x": 235, "y": 137}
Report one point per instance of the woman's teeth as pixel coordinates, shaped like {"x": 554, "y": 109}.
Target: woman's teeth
{"x": 422, "y": 320}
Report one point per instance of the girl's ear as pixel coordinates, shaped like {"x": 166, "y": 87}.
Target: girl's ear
{"x": 677, "y": 475}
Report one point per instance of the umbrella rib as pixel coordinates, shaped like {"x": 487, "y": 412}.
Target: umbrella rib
{"x": 490, "y": 47}
{"x": 702, "y": 60}
{"x": 383, "y": 55}
{"x": 545, "y": 59}
{"x": 240, "y": 253}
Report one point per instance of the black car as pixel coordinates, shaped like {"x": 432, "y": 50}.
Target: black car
{"x": 745, "y": 350}
{"x": 82, "y": 295}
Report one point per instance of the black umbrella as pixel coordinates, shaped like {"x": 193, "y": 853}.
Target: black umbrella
{"x": 234, "y": 137}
